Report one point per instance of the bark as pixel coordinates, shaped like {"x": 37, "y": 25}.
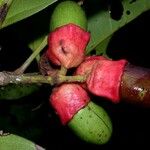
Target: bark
{"x": 30, "y": 78}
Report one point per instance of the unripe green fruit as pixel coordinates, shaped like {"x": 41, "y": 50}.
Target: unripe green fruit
{"x": 68, "y": 12}
{"x": 92, "y": 124}
{"x": 88, "y": 121}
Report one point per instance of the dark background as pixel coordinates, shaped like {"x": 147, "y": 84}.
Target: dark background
{"x": 131, "y": 123}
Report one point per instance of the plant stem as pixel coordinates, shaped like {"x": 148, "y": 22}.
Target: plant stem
{"x": 63, "y": 71}
{"x": 24, "y": 66}
{"x": 30, "y": 78}
{"x": 77, "y": 78}
{"x": 9, "y": 77}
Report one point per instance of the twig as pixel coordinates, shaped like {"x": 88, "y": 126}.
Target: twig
{"x": 30, "y": 78}
{"x": 9, "y": 77}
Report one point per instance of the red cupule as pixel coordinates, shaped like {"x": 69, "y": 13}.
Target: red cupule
{"x": 105, "y": 79}
{"x": 67, "y": 100}
{"x": 66, "y": 45}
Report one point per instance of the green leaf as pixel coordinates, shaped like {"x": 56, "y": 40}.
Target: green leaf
{"x": 102, "y": 26}
{"x": 4, "y": 6}
{"x": 14, "y": 142}
{"x": 102, "y": 47}
{"x": 21, "y": 9}
{"x": 13, "y": 92}
{"x": 35, "y": 44}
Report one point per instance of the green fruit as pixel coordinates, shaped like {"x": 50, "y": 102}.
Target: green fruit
{"x": 92, "y": 124}
{"x": 68, "y": 12}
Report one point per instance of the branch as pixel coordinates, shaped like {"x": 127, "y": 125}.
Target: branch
{"x": 30, "y": 78}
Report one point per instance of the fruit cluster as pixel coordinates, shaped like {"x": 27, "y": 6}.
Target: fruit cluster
{"x": 67, "y": 42}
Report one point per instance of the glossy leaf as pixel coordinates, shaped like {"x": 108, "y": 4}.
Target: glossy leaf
{"x": 101, "y": 25}
{"x": 20, "y": 10}
{"x": 14, "y": 142}
{"x": 12, "y": 92}
{"x": 4, "y": 6}
{"x": 102, "y": 47}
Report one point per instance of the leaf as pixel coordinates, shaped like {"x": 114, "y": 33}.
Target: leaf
{"x": 102, "y": 47}
{"x": 14, "y": 142}
{"x": 21, "y": 9}
{"x": 13, "y": 92}
{"x": 101, "y": 25}
{"x": 35, "y": 44}
{"x": 4, "y": 6}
